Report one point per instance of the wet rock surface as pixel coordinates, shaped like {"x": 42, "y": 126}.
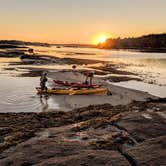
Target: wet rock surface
{"x": 151, "y": 152}
{"x": 96, "y": 135}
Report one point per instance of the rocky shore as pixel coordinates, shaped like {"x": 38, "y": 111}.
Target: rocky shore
{"x": 85, "y": 131}
{"x": 98, "y": 135}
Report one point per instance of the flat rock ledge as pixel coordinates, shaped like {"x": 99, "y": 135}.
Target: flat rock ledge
{"x": 101, "y": 135}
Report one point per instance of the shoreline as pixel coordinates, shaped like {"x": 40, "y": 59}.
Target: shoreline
{"x": 127, "y": 128}
{"x": 120, "y": 95}
{"x": 104, "y": 73}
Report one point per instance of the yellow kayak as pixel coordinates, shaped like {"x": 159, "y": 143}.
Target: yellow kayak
{"x": 71, "y": 91}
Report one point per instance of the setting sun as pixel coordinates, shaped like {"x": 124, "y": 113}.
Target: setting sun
{"x": 102, "y": 39}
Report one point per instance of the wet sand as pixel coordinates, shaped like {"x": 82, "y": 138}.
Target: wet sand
{"x": 120, "y": 95}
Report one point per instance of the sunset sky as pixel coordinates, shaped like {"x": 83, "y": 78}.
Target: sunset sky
{"x": 80, "y": 21}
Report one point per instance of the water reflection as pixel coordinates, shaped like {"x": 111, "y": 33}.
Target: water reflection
{"x": 49, "y": 103}
{"x": 44, "y": 102}
{"x": 17, "y": 94}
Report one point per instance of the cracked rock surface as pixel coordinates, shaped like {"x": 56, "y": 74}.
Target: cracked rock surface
{"x": 101, "y": 135}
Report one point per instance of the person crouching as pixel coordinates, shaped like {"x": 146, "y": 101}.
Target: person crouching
{"x": 89, "y": 75}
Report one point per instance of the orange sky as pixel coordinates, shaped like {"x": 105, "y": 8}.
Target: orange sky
{"x": 79, "y": 21}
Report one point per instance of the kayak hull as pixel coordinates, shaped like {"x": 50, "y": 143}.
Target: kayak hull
{"x": 71, "y": 91}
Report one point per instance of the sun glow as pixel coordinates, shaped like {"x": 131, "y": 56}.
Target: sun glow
{"x": 101, "y": 38}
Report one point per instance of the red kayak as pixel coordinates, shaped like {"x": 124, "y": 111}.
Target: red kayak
{"x": 76, "y": 84}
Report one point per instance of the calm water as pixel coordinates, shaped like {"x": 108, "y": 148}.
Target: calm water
{"x": 17, "y": 94}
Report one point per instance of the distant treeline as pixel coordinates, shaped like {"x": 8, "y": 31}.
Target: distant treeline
{"x": 148, "y": 42}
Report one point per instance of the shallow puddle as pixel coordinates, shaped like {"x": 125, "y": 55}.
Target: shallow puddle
{"x": 17, "y": 94}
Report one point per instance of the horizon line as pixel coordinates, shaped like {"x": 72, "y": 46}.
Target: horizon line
{"x": 42, "y": 42}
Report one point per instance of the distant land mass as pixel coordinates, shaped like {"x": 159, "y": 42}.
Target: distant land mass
{"x": 18, "y": 43}
{"x": 151, "y": 43}
{"x": 146, "y": 43}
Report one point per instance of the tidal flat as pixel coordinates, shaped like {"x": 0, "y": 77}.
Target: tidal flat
{"x": 125, "y": 128}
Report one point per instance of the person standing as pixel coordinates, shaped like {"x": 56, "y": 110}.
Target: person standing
{"x": 43, "y": 81}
